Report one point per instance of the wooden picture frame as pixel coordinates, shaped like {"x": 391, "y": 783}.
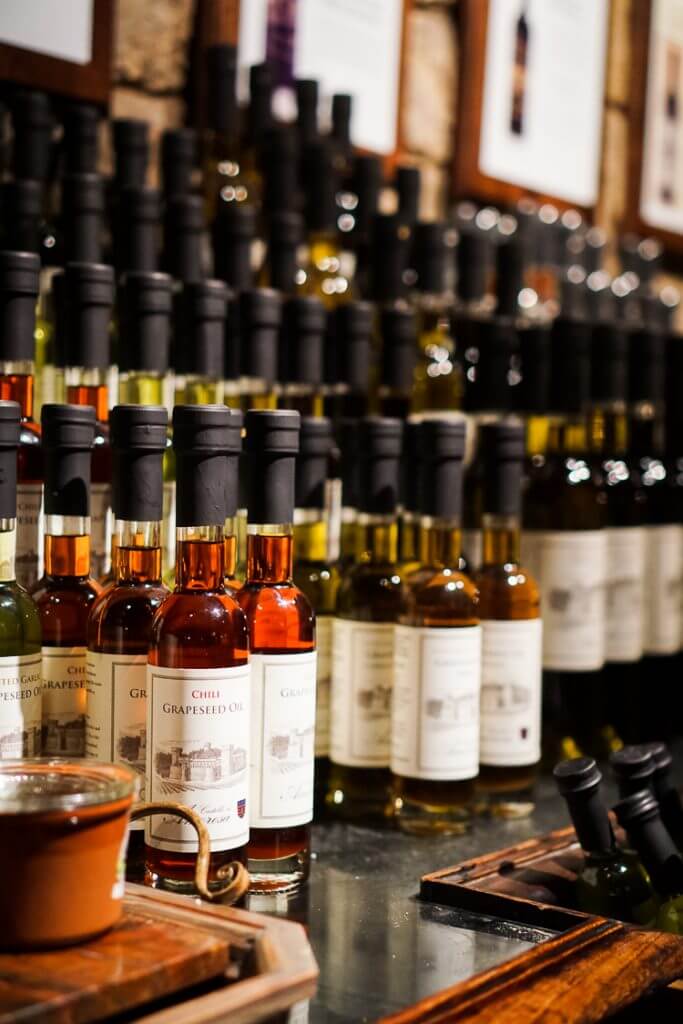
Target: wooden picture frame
{"x": 91, "y": 82}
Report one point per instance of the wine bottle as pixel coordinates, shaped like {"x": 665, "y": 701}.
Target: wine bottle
{"x": 633, "y": 768}
{"x": 666, "y": 791}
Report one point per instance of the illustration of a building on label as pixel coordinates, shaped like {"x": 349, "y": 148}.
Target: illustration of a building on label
{"x": 508, "y": 698}
{"x": 292, "y": 747}
{"x": 20, "y": 743}
{"x": 131, "y": 746}
{"x": 519, "y": 72}
{"x": 63, "y": 733}
{"x": 458, "y": 708}
{"x": 667, "y": 188}
{"x": 374, "y": 703}
{"x": 198, "y": 766}
{"x": 575, "y": 603}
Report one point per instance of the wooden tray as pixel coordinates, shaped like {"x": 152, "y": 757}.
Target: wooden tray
{"x": 171, "y": 960}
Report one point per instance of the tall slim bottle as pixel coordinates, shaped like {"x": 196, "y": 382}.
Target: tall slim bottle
{"x": 201, "y": 319}
{"x": 66, "y": 592}
{"x": 183, "y": 230}
{"x": 398, "y": 337}
{"x": 233, "y": 234}
{"x": 347, "y": 360}
{"x": 198, "y": 681}
{"x": 259, "y": 318}
{"x": 347, "y": 432}
{"x": 177, "y": 161}
{"x": 360, "y": 205}
{"x": 137, "y": 229}
{"x": 145, "y": 306}
{"x": 20, "y": 656}
{"x": 282, "y": 264}
{"x": 223, "y": 175}
{"x": 120, "y": 621}
{"x": 282, "y": 644}
{"x": 640, "y": 816}
{"x": 130, "y": 138}
{"x": 409, "y": 498}
{"x": 324, "y": 274}
{"x": 301, "y": 355}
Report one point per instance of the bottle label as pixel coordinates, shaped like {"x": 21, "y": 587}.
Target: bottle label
{"x": 323, "y": 645}
{"x": 571, "y": 569}
{"x": 100, "y": 527}
{"x": 625, "y": 591}
{"x": 20, "y": 706}
{"x": 362, "y": 682}
{"x": 511, "y": 692}
{"x": 29, "y": 546}
{"x": 64, "y": 701}
{"x": 116, "y": 712}
{"x": 198, "y": 754}
{"x": 663, "y": 556}
{"x": 435, "y": 723}
{"x": 472, "y": 548}
{"x": 282, "y": 739}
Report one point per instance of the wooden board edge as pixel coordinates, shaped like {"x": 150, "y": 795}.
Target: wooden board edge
{"x": 519, "y": 853}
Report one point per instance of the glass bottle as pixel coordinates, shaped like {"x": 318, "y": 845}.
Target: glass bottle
{"x": 223, "y": 174}
{"x": 301, "y": 355}
{"x": 398, "y": 334}
{"x": 136, "y": 231}
{"x": 348, "y": 348}
{"x": 324, "y": 274}
{"x": 533, "y": 392}
{"x": 256, "y": 125}
{"x": 409, "y": 519}
{"x": 66, "y": 592}
{"x": 369, "y": 602}
{"x": 202, "y": 312}
{"x": 348, "y": 440}
{"x": 198, "y": 682}
{"x": 437, "y": 655}
{"x": 633, "y": 768}
{"x": 234, "y": 574}
{"x": 145, "y": 303}
{"x": 20, "y": 655}
{"x": 307, "y": 95}
{"x": 260, "y": 316}
{"x": 611, "y": 881}
{"x": 120, "y": 621}
{"x": 130, "y": 138}
{"x": 233, "y": 238}
{"x": 666, "y": 791}
{"x": 509, "y": 608}
{"x": 183, "y": 232}
{"x": 280, "y": 269}
{"x": 408, "y": 183}
{"x": 177, "y": 161}
{"x": 360, "y": 204}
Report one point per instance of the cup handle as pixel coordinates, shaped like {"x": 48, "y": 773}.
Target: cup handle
{"x": 235, "y": 874}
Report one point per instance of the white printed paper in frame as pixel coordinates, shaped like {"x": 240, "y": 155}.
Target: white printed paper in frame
{"x": 64, "y": 701}
{"x": 282, "y": 739}
{"x": 20, "y": 706}
{"x": 435, "y": 719}
{"x": 625, "y": 593}
{"x": 323, "y": 645}
{"x": 116, "y": 712}
{"x": 198, "y": 731}
{"x": 29, "y": 541}
{"x": 663, "y": 557}
{"x": 510, "y": 705}
{"x": 362, "y": 683}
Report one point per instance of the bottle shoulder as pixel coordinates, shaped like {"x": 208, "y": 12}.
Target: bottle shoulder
{"x": 200, "y": 620}
{"x": 565, "y": 493}
{"x": 319, "y": 581}
{"x": 440, "y": 596}
{"x": 507, "y": 592}
{"x": 125, "y": 609}
{"x": 20, "y": 630}
{"x": 372, "y": 591}
{"x": 65, "y": 591}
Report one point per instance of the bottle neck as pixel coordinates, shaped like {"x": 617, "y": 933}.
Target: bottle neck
{"x": 136, "y": 551}
{"x": 16, "y": 385}
{"x": 537, "y": 434}
{"x": 376, "y": 538}
{"x": 201, "y": 390}
{"x": 409, "y": 537}
{"x": 87, "y": 385}
{"x": 269, "y": 552}
{"x": 645, "y": 428}
{"x": 67, "y": 546}
{"x": 141, "y": 388}
{"x": 658, "y": 853}
{"x": 591, "y": 822}
{"x": 608, "y": 429}
{"x": 347, "y": 539}
{"x": 440, "y": 542}
{"x": 310, "y": 535}
{"x": 200, "y": 558}
{"x": 568, "y": 434}
{"x": 230, "y": 546}
{"x": 500, "y": 540}
{"x": 8, "y": 550}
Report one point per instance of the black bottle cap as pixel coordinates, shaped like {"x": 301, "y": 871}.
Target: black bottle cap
{"x": 178, "y": 155}
{"x": 19, "y": 284}
{"x": 233, "y": 232}
{"x": 398, "y": 330}
{"x": 633, "y": 768}
{"x": 320, "y": 177}
{"x": 183, "y": 226}
{"x": 68, "y": 434}
{"x": 342, "y": 107}
{"x": 661, "y": 758}
{"x": 145, "y": 305}
{"x": 260, "y": 117}
{"x": 81, "y": 138}
{"x": 510, "y": 261}
{"x": 429, "y": 256}
{"x": 389, "y": 257}
{"x": 502, "y": 450}
{"x": 138, "y": 442}
{"x": 315, "y": 445}
{"x": 203, "y": 308}
{"x": 306, "y": 108}
{"x": 408, "y": 181}
{"x": 366, "y": 184}
{"x": 351, "y": 339}
{"x": 205, "y": 437}
{"x": 271, "y": 444}
{"x": 89, "y": 297}
{"x": 221, "y": 65}
{"x": 647, "y": 364}
{"x": 281, "y": 169}
{"x": 304, "y": 319}
{"x": 22, "y": 210}
{"x": 347, "y": 435}
{"x": 578, "y": 780}
{"x": 609, "y": 363}
{"x": 577, "y": 775}
{"x": 442, "y": 448}
{"x": 411, "y": 458}
{"x": 33, "y": 124}
{"x": 131, "y": 150}
{"x": 497, "y": 343}
{"x": 472, "y": 257}
{"x": 136, "y": 229}
{"x": 83, "y": 207}
{"x": 260, "y": 316}
{"x": 379, "y": 452}
{"x": 533, "y": 391}
{"x": 569, "y": 365}
{"x": 10, "y": 428}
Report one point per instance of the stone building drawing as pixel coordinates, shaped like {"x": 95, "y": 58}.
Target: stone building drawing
{"x": 293, "y": 746}
{"x": 20, "y": 742}
{"x": 458, "y": 708}
{"x": 505, "y": 697}
{"x": 64, "y": 735}
{"x": 203, "y": 765}
{"x": 131, "y": 746}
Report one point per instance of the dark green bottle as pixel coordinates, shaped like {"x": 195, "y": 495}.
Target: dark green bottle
{"x": 633, "y": 768}
{"x": 612, "y": 881}
{"x": 668, "y": 797}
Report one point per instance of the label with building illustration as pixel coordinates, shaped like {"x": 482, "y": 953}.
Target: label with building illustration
{"x": 116, "y": 712}
{"x": 572, "y": 578}
{"x": 435, "y": 722}
{"x": 198, "y": 729}
{"x": 20, "y": 706}
{"x": 663, "y": 557}
{"x": 64, "y": 700}
{"x": 282, "y": 739}
{"x": 362, "y": 681}
{"x": 510, "y": 705}
{"x": 323, "y": 644}
{"x": 29, "y": 543}
{"x": 625, "y": 593}
{"x": 100, "y": 528}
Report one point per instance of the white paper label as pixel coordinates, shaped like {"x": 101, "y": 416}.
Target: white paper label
{"x": 511, "y": 692}
{"x": 282, "y": 739}
{"x": 663, "y": 556}
{"x": 472, "y": 548}
{"x": 64, "y": 701}
{"x": 198, "y": 753}
{"x": 435, "y": 720}
{"x": 100, "y": 527}
{"x": 116, "y": 712}
{"x": 29, "y": 502}
{"x": 20, "y": 706}
{"x": 323, "y": 644}
{"x": 362, "y": 681}
{"x": 571, "y": 569}
{"x": 625, "y": 593}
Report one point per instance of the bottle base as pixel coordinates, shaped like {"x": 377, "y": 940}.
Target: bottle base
{"x": 284, "y": 875}
{"x": 432, "y": 808}
{"x": 359, "y": 795}
{"x": 506, "y": 792}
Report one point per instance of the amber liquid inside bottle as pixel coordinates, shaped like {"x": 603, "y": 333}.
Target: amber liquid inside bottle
{"x": 16, "y": 385}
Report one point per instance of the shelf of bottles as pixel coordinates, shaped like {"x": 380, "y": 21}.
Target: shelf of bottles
{"x": 419, "y": 481}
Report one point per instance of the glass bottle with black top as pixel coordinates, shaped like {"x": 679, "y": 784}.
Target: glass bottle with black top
{"x": 233, "y": 233}
{"x": 347, "y": 434}
{"x": 120, "y": 621}
{"x": 20, "y": 654}
{"x": 66, "y": 592}
{"x": 183, "y": 227}
{"x": 340, "y": 132}
{"x": 282, "y": 643}
{"x": 472, "y": 257}
{"x": 360, "y": 204}
{"x": 408, "y": 184}
{"x": 80, "y": 139}
{"x": 633, "y": 768}
{"x": 348, "y": 348}
{"x": 565, "y": 547}
{"x": 304, "y": 320}
{"x": 32, "y": 129}
{"x": 89, "y": 297}
{"x": 611, "y": 881}
{"x": 510, "y": 613}
{"x": 130, "y": 137}
{"x": 177, "y": 161}
{"x": 437, "y": 655}
{"x": 198, "y": 681}
{"x": 281, "y": 171}
{"x": 369, "y": 602}
{"x": 82, "y": 215}
{"x": 666, "y": 791}
{"x": 390, "y": 239}
{"x": 398, "y": 334}
{"x": 232, "y": 527}
{"x": 306, "y": 90}
{"x": 223, "y": 175}
{"x": 256, "y": 125}
{"x": 285, "y": 236}
{"x": 136, "y": 229}
{"x": 314, "y": 575}
{"x": 533, "y": 391}
{"x": 409, "y": 519}
{"x": 324, "y": 274}
{"x": 145, "y": 307}
{"x": 202, "y": 312}
{"x": 259, "y": 318}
